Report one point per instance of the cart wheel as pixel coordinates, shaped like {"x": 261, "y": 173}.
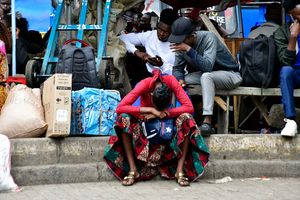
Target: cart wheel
{"x": 33, "y": 68}
{"x": 106, "y": 74}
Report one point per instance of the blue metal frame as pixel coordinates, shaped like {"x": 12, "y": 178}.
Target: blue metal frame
{"x": 14, "y": 38}
{"x": 52, "y": 39}
{"x": 103, "y": 36}
{"x": 81, "y": 27}
{"x": 82, "y": 19}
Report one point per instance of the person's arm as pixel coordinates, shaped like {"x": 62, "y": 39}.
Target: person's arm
{"x": 285, "y": 54}
{"x": 205, "y": 62}
{"x": 132, "y": 40}
{"x": 294, "y": 30}
{"x": 181, "y": 96}
{"x": 126, "y": 105}
{"x": 178, "y": 68}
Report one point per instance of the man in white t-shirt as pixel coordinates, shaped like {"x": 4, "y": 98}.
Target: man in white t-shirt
{"x": 157, "y": 48}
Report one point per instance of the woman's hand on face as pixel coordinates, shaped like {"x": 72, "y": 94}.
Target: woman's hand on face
{"x": 180, "y": 47}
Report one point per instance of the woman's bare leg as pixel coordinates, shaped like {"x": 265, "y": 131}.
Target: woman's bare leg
{"x": 132, "y": 175}
{"x": 129, "y": 152}
{"x": 181, "y": 179}
{"x": 184, "y": 150}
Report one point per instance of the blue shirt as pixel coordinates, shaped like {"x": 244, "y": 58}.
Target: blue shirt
{"x": 297, "y": 63}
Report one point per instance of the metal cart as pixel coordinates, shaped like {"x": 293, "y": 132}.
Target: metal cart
{"x": 38, "y": 69}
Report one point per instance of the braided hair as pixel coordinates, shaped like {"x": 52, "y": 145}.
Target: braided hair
{"x": 161, "y": 97}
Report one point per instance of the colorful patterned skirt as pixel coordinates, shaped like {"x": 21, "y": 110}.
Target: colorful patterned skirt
{"x": 152, "y": 160}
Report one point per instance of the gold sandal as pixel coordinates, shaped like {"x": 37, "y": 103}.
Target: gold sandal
{"x": 182, "y": 180}
{"x": 130, "y": 178}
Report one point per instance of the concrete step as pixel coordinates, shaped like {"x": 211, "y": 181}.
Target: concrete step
{"x": 46, "y": 151}
{"x": 94, "y": 172}
{"x": 80, "y": 159}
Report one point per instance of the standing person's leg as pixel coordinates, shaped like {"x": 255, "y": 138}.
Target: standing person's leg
{"x": 289, "y": 79}
{"x": 209, "y": 82}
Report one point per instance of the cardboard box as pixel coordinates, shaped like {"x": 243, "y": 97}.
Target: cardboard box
{"x": 57, "y": 104}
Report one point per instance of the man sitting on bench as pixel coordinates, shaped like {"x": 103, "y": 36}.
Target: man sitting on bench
{"x": 287, "y": 40}
{"x": 208, "y": 62}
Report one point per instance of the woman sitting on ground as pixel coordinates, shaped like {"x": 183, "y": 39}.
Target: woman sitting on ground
{"x": 132, "y": 157}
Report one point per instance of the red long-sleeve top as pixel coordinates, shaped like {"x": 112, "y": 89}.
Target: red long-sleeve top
{"x": 144, "y": 89}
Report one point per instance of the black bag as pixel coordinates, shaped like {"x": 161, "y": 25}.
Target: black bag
{"x": 80, "y": 62}
{"x": 259, "y": 65}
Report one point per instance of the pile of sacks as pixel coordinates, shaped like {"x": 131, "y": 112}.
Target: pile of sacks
{"x": 22, "y": 115}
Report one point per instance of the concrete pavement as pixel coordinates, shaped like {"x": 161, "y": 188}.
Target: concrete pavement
{"x": 240, "y": 189}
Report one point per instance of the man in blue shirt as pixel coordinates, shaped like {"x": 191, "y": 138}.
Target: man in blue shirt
{"x": 207, "y": 62}
{"x": 287, "y": 40}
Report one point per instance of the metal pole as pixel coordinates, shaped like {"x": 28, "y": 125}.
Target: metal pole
{"x": 99, "y": 18}
{"x": 13, "y": 26}
{"x": 68, "y": 17}
{"x": 241, "y": 29}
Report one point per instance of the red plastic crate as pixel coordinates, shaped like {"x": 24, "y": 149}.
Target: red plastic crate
{"x": 17, "y": 80}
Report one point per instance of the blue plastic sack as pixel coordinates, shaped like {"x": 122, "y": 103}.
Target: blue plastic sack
{"x": 94, "y": 111}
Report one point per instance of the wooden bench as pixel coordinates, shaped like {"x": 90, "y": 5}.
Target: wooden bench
{"x": 254, "y": 93}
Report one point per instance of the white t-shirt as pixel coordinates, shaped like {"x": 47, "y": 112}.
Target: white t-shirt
{"x": 153, "y": 47}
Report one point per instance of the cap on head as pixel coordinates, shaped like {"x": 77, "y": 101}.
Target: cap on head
{"x": 290, "y": 4}
{"x": 181, "y": 28}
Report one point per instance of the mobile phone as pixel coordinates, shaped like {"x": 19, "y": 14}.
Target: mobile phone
{"x": 292, "y": 18}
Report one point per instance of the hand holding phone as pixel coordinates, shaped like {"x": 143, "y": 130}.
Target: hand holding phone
{"x": 292, "y": 18}
{"x": 155, "y": 61}
{"x": 295, "y": 27}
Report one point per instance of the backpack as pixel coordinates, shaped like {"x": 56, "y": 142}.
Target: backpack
{"x": 259, "y": 65}
{"x": 80, "y": 62}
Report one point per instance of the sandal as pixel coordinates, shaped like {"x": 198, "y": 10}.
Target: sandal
{"x": 130, "y": 178}
{"x": 182, "y": 180}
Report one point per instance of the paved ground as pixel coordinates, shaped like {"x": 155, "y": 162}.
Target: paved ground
{"x": 241, "y": 189}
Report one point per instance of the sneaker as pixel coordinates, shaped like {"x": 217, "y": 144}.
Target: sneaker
{"x": 290, "y": 128}
{"x": 206, "y": 129}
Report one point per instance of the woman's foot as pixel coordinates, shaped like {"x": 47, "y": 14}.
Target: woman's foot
{"x": 182, "y": 180}
{"x": 130, "y": 178}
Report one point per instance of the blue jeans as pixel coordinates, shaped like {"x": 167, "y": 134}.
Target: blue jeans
{"x": 289, "y": 80}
